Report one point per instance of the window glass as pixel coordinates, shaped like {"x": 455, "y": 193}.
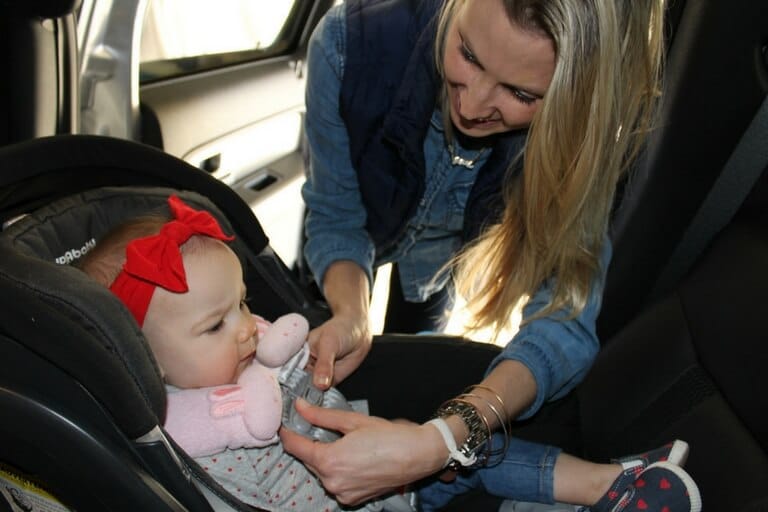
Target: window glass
{"x": 182, "y": 36}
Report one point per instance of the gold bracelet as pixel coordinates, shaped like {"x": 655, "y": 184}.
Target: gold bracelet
{"x": 489, "y": 452}
{"x": 492, "y": 391}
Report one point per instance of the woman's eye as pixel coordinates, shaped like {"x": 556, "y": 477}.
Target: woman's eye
{"x": 216, "y": 327}
{"x": 525, "y": 99}
{"x": 467, "y": 54}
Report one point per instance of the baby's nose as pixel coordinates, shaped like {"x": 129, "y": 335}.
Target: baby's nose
{"x": 249, "y": 331}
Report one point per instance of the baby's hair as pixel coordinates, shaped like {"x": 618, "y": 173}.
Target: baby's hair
{"x": 104, "y": 262}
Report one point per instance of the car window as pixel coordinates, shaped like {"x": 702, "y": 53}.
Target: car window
{"x": 186, "y": 36}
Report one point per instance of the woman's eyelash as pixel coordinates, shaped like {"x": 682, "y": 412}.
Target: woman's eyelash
{"x": 467, "y": 54}
{"x": 520, "y": 96}
{"x": 217, "y": 327}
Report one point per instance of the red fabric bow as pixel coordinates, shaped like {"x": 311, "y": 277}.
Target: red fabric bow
{"x": 156, "y": 260}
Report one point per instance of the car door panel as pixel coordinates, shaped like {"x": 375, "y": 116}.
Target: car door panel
{"x": 242, "y": 124}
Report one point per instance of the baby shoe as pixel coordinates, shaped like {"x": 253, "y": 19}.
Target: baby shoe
{"x": 660, "y": 487}
{"x": 675, "y": 453}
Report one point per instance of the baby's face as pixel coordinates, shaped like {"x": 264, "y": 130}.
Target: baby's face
{"x": 207, "y": 336}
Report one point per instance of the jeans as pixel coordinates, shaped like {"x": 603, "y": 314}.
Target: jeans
{"x": 526, "y": 473}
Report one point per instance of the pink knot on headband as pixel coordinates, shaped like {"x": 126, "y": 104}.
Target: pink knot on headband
{"x": 156, "y": 260}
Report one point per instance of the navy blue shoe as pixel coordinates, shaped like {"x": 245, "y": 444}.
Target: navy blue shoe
{"x": 661, "y": 487}
{"x": 675, "y": 453}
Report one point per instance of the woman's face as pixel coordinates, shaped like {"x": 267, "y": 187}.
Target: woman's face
{"x": 496, "y": 72}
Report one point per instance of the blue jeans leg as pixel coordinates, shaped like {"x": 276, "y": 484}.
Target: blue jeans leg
{"x": 525, "y": 474}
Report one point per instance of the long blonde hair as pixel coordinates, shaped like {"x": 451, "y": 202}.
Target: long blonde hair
{"x": 591, "y": 124}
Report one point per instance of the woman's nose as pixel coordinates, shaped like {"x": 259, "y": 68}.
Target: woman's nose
{"x": 475, "y": 100}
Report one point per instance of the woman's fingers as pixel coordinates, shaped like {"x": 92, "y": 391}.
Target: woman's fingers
{"x": 302, "y": 448}
{"x": 324, "y": 349}
{"x": 374, "y": 456}
{"x": 338, "y": 347}
{"x": 334, "y": 419}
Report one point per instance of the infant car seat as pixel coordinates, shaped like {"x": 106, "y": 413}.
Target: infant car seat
{"x": 81, "y": 396}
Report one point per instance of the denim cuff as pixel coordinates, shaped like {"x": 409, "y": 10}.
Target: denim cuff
{"x": 324, "y": 249}
{"x": 525, "y": 474}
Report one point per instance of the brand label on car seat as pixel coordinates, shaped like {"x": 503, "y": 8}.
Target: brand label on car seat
{"x": 74, "y": 254}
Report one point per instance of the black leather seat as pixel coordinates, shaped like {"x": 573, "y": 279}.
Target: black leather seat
{"x": 693, "y": 366}
{"x": 716, "y": 79}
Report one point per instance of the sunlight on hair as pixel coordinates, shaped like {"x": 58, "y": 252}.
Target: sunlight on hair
{"x": 461, "y": 317}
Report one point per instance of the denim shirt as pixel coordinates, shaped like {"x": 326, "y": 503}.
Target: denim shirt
{"x": 336, "y": 217}
{"x": 558, "y": 352}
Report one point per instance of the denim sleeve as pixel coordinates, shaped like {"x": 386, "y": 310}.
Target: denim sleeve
{"x": 558, "y": 351}
{"x": 336, "y": 217}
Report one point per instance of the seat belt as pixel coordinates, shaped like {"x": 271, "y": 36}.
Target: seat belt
{"x": 742, "y": 170}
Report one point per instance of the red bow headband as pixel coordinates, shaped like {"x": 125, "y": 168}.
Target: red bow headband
{"x": 156, "y": 260}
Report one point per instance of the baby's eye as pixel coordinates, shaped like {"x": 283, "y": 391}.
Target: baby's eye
{"x": 244, "y": 303}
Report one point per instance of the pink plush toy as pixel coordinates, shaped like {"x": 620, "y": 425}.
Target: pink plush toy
{"x": 205, "y": 421}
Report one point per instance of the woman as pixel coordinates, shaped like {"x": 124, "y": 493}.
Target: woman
{"x": 399, "y": 145}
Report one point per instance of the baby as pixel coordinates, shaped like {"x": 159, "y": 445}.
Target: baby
{"x": 184, "y": 286}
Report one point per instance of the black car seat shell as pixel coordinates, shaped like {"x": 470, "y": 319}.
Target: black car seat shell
{"x": 83, "y": 396}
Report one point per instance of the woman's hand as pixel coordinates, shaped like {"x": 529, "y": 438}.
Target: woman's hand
{"x": 338, "y": 347}
{"x": 374, "y": 457}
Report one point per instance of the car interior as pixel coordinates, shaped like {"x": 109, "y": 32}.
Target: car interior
{"x": 681, "y": 325}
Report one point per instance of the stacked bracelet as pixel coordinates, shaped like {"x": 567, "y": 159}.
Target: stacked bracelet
{"x": 477, "y": 425}
{"x": 501, "y": 415}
